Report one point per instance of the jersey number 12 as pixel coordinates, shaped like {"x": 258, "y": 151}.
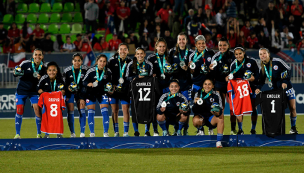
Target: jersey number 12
{"x": 142, "y": 91}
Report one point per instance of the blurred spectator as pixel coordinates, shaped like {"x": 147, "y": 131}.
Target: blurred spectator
{"x": 123, "y": 14}
{"x": 8, "y": 46}
{"x": 194, "y": 29}
{"x": 301, "y": 29}
{"x": 291, "y": 46}
{"x": 247, "y": 28}
{"x": 213, "y": 34}
{"x": 241, "y": 39}
{"x": 296, "y": 10}
{"x": 77, "y": 41}
{"x": 293, "y": 27}
{"x": 252, "y": 41}
{"x": 231, "y": 33}
{"x": 114, "y": 43}
{"x": 144, "y": 42}
{"x": 169, "y": 39}
{"x": 176, "y": 28}
{"x": 13, "y": 32}
{"x": 200, "y": 15}
{"x": 11, "y": 7}
{"x": 164, "y": 13}
{"x": 270, "y": 14}
{"x": 209, "y": 20}
{"x": 264, "y": 42}
{"x": 152, "y": 44}
{"x": 68, "y": 46}
{"x": 219, "y": 18}
{"x": 26, "y": 36}
{"x": 47, "y": 44}
{"x": 218, "y": 37}
{"x": 188, "y": 18}
{"x": 3, "y": 33}
{"x": 209, "y": 42}
{"x": 85, "y": 44}
{"x": 179, "y": 7}
{"x": 300, "y": 45}
{"x": 134, "y": 15}
{"x": 109, "y": 17}
{"x": 262, "y": 5}
{"x": 101, "y": 46}
{"x": 133, "y": 38}
{"x": 91, "y": 15}
{"x": 231, "y": 9}
{"x": 145, "y": 28}
{"x": 19, "y": 45}
{"x": 128, "y": 41}
{"x": 276, "y": 41}
{"x": 147, "y": 11}
{"x": 282, "y": 7}
{"x": 38, "y": 35}
{"x": 163, "y": 25}
{"x": 286, "y": 35}
{"x": 58, "y": 44}
{"x": 157, "y": 33}
{"x": 159, "y": 4}
{"x": 261, "y": 26}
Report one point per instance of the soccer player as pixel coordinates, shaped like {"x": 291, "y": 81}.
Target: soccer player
{"x": 169, "y": 110}
{"x": 138, "y": 68}
{"x": 277, "y": 73}
{"x": 95, "y": 80}
{"x": 118, "y": 64}
{"x": 200, "y": 60}
{"x": 208, "y": 110}
{"x": 30, "y": 72}
{"x": 179, "y": 58}
{"x": 159, "y": 59}
{"x": 72, "y": 77}
{"x": 220, "y": 69}
{"x": 247, "y": 68}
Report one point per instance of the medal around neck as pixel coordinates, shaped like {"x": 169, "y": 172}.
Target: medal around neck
{"x": 121, "y": 80}
{"x": 214, "y": 63}
{"x": 182, "y": 63}
{"x": 35, "y": 74}
{"x": 164, "y": 104}
{"x": 200, "y": 101}
{"x": 270, "y": 84}
{"x": 163, "y": 76}
{"x": 192, "y": 66}
{"x": 230, "y": 76}
{"x": 95, "y": 84}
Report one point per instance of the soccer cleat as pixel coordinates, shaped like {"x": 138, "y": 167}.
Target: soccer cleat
{"x": 73, "y": 135}
{"x": 125, "y": 134}
{"x": 59, "y": 136}
{"x": 293, "y": 130}
{"x": 92, "y": 134}
{"x": 219, "y": 144}
{"x": 156, "y": 133}
{"x": 165, "y": 133}
{"x": 178, "y": 133}
{"x": 200, "y": 133}
{"x": 185, "y": 133}
{"x": 46, "y": 136}
{"x": 174, "y": 133}
{"x": 39, "y": 136}
{"x": 136, "y": 134}
{"x": 106, "y": 134}
{"x": 240, "y": 132}
{"x": 17, "y": 136}
{"x": 116, "y": 134}
{"x": 147, "y": 134}
{"x": 252, "y": 131}
{"x": 82, "y": 135}
{"x": 210, "y": 132}
{"x": 233, "y": 132}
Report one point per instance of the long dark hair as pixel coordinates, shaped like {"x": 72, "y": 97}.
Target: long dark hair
{"x": 59, "y": 40}
{"x": 162, "y": 40}
{"x": 59, "y": 75}
{"x": 134, "y": 65}
{"x": 278, "y": 38}
{"x": 102, "y": 56}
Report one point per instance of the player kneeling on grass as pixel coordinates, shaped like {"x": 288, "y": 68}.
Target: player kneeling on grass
{"x": 207, "y": 110}
{"x": 172, "y": 108}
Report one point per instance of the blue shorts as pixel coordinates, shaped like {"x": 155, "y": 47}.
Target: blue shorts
{"x": 291, "y": 94}
{"x": 71, "y": 99}
{"x": 101, "y": 100}
{"x": 187, "y": 94}
{"x": 21, "y": 99}
{"x": 122, "y": 101}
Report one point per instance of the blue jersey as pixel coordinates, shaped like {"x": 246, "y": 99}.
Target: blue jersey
{"x": 28, "y": 83}
{"x": 90, "y": 77}
{"x": 46, "y": 85}
{"x": 278, "y": 66}
{"x": 222, "y": 70}
{"x": 199, "y": 77}
{"x": 205, "y": 108}
{"x": 184, "y": 77}
{"x": 131, "y": 73}
{"x": 68, "y": 78}
{"x": 249, "y": 64}
{"x": 172, "y": 108}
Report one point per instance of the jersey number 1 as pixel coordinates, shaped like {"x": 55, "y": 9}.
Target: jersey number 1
{"x": 147, "y": 90}
{"x": 272, "y": 106}
{"x": 245, "y": 91}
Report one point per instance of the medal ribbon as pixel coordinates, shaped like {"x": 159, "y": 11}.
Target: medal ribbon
{"x": 121, "y": 70}
{"x": 53, "y": 89}
{"x": 180, "y": 57}
{"x": 206, "y": 96}
{"x": 171, "y": 96}
{"x": 221, "y": 56}
{"x": 97, "y": 74}
{"x": 237, "y": 68}
{"x": 269, "y": 75}
{"x": 79, "y": 75}
{"x": 33, "y": 66}
{"x": 198, "y": 57}
{"x": 161, "y": 66}
{"x": 143, "y": 65}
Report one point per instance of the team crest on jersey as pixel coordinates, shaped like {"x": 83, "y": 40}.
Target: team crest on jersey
{"x": 211, "y": 99}
{"x": 209, "y": 59}
{"x": 87, "y": 100}
{"x": 16, "y": 100}
{"x": 275, "y": 67}
{"x": 248, "y": 65}
{"x": 177, "y": 103}
{"x": 105, "y": 77}
{"x": 81, "y": 75}
{"x": 110, "y": 99}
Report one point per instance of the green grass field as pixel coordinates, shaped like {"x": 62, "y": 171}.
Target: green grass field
{"x": 233, "y": 159}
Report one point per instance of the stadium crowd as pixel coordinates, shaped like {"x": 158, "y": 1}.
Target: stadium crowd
{"x": 252, "y": 24}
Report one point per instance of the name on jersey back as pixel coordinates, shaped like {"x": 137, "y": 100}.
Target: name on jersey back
{"x": 273, "y": 96}
{"x": 54, "y": 100}
{"x": 143, "y": 84}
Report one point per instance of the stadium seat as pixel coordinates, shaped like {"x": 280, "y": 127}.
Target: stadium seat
{"x": 31, "y": 18}
{"x": 55, "y": 18}
{"x": 53, "y": 38}
{"x": 98, "y": 36}
{"x": 33, "y": 8}
{"x": 65, "y": 29}
{"x": 19, "y": 18}
{"x": 78, "y": 17}
{"x": 42, "y": 26}
{"x": 8, "y": 19}
{"x": 77, "y": 8}
{"x": 57, "y": 7}
{"x": 137, "y": 35}
{"x": 73, "y": 38}
{"x": 66, "y": 17}
{"x": 19, "y": 26}
{"x": 64, "y": 38}
{"x": 58, "y": 0}
{"x": 21, "y": 8}
{"x": 43, "y": 18}
{"x": 68, "y": 7}
{"x": 45, "y": 8}
{"x": 53, "y": 29}
{"x": 32, "y": 26}
{"x": 76, "y": 28}
{"x": 109, "y": 37}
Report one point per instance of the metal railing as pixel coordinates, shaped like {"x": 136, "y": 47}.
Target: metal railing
{"x": 7, "y": 79}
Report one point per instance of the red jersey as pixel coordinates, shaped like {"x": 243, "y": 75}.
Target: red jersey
{"x": 232, "y": 40}
{"x": 296, "y": 11}
{"x": 38, "y": 33}
{"x": 123, "y": 11}
{"x": 239, "y": 94}
{"x": 113, "y": 45}
{"x": 252, "y": 41}
{"x": 13, "y": 33}
{"x": 99, "y": 47}
{"x": 85, "y": 47}
{"x": 52, "y": 104}
{"x": 77, "y": 43}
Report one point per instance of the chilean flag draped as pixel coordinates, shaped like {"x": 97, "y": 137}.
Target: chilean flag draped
{"x": 89, "y": 57}
{"x": 15, "y": 59}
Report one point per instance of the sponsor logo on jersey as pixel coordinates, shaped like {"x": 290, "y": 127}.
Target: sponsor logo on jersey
{"x": 209, "y": 59}
{"x": 87, "y": 100}
{"x": 105, "y": 77}
{"x": 81, "y": 75}
{"x": 177, "y": 103}
{"x": 275, "y": 67}
{"x": 16, "y": 100}
{"x": 29, "y": 69}
{"x": 248, "y": 65}
{"x": 110, "y": 99}
{"x": 211, "y": 99}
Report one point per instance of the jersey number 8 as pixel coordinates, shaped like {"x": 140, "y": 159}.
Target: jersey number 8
{"x": 53, "y": 112}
